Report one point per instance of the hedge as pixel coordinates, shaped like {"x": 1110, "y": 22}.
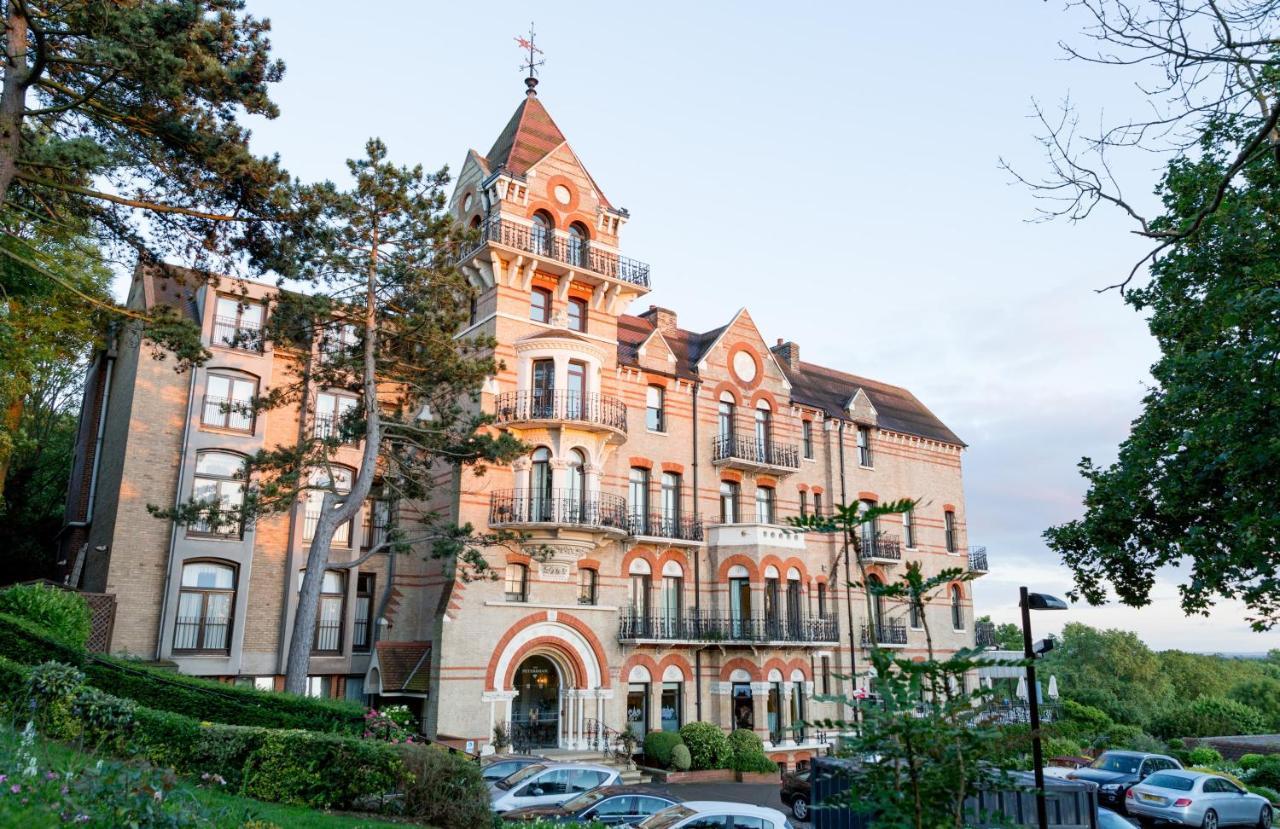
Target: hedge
{"x": 658, "y": 746}
{"x": 28, "y": 644}
{"x": 708, "y": 746}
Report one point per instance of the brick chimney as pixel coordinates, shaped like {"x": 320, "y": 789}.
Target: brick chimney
{"x": 788, "y": 353}
{"x": 663, "y": 319}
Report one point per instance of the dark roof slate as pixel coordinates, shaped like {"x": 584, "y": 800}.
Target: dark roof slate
{"x": 405, "y": 666}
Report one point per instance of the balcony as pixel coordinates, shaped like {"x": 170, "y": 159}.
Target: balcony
{"x": 984, "y": 635}
{"x": 518, "y": 508}
{"x": 882, "y": 549}
{"x": 754, "y": 455}
{"x": 540, "y": 408}
{"x": 231, "y": 332}
{"x": 887, "y": 635}
{"x": 695, "y": 628}
{"x": 573, "y": 254}
{"x": 978, "y": 560}
{"x": 667, "y": 528}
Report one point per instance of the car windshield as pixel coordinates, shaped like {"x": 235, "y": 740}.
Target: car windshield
{"x": 1108, "y": 819}
{"x": 584, "y": 800}
{"x": 1170, "y": 781}
{"x": 1118, "y": 763}
{"x": 667, "y": 817}
{"x": 520, "y": 776}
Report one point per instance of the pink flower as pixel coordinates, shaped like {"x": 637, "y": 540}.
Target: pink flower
{"x": 15, "y": 788}
{"x": 50, "y": 775}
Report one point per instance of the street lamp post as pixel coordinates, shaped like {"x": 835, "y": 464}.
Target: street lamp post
{"x": 1029, "y": 602}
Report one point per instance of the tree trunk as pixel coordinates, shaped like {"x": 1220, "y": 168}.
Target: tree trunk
{"x": 13, "y": 97}
{"x": 298, "y": 662}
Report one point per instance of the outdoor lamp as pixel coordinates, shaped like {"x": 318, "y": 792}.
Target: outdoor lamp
{"x": 1028, "y": 602}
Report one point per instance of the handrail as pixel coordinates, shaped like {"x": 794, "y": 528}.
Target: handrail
{"x": 574, "y": 252}
{"x": 886, "y": 633}
{"x": 557, "y": 506}
{"x": 560, "y": 404}
{"x": 732, "y": 447}
{"x": 709, "y": 627}
{"x": 659, "y": 525}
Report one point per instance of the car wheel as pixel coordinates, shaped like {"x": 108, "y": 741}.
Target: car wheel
{"x": 1264, "y": 819}
{"x": 800, "y": 807}
{"x": 1210, "y": 820}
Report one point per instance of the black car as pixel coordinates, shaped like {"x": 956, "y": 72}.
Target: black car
{"x": 1115, "y": 771}
{"x": 796, "y": 793}
{"x": 610, "y": 805}
{"x": 505, "y": 765}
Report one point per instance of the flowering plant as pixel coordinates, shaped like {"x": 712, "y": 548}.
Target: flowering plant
{"x": 391, "y": 724}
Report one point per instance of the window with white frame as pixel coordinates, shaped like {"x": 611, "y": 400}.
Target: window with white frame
{"x": 219, "y": 486}
{"x": 331, "y": 410}
{"x": 338, "y": 342}
{"x": 764, "y": 505}
{"x": 322, "y": 482}
{"x": 228, "y": 401}
{"x": 206, "y": 599}
{"x": 237, "y": 323}
{"x": 655, "y": 413}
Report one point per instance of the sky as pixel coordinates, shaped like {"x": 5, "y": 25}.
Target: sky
{"x": 833, "y": 167}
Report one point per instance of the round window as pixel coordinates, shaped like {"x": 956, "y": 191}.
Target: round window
{"x": 562, "y": 194}
{"x": 744, "y": 365}
{"x": 466, "y": 203}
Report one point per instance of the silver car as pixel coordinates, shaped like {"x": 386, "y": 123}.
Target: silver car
{"x": 548, "y": 784}
{"x": 1194, "y": 798}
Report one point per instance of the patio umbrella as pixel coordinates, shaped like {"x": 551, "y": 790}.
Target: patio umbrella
{"x": 1022, "y": 688}
{"x": 1053, "y": 687}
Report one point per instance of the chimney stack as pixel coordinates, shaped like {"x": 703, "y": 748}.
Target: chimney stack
{"x": 663, "y": 319}
{"x": 788, "y": 353}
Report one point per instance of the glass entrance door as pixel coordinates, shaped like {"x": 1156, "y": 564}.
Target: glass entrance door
{"x": 535, "y": 712}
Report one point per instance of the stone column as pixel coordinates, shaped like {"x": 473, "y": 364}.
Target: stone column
{"x": 760, "y": 708}
{"x": 784, "y": 715}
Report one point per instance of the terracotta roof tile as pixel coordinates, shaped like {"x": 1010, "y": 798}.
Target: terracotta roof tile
{"x": 527, "y": 139}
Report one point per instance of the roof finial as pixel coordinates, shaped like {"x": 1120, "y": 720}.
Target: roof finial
{"x": 531, "y": 63}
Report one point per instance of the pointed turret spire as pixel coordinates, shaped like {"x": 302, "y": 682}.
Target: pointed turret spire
{"x": 531, "y": 63}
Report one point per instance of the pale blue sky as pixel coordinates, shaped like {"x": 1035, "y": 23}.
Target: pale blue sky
{"x": 833, "y": 167}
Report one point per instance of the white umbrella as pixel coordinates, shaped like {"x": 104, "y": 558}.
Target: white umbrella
{"x": 1053, "y": 687}
{"x": 1022, "y": 688}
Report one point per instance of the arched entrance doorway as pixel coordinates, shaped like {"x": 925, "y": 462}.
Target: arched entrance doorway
{"x": 535, "y": 711}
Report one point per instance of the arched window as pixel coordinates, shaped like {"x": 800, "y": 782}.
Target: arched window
{"x": 587, "y": 586}
{"x": 822, "y": 600}
{"x": 724, "y": 425}
{"x": 331, "y": 613}
{"x": 475, "y": 222}
{"x": 517, "y": 583}
{"x": 540, "y": 496}
{"x": 219, "y": 486}
{"x": 739, "y": 600}
{"x": 764, "y": 429}
{"x": 638, "y": 499}
{"x": 671, "y": 504}
{"x": 206, "y": 600}
{"x": 764, "y": 505}
{"x": 541, "y": 233}
{"x": 672, "y": 598}
{"x": 870, "y": 531}
{"x": 578, "y": 237}
{"x": 957, "y": 612}
{"x": 949, "y": 527}
{"x": 794, "y": 603}
{"x": 340, "y": 484}
{"x": 877, "y": 605}
{"x": 576, "y": 485}
{"x": 728, "y": 502}
{"x": 228, "y": 401}
{"x": 641, "y": 575}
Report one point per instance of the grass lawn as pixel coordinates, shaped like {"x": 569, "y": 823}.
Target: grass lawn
{"x": 289, "y": 816}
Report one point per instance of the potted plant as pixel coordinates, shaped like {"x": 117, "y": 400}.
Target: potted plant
{"x": 501, "y": 742}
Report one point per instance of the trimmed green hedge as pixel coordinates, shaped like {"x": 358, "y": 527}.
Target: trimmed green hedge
{"x": 658, "y": 746}
{"x": 28, "y": 644}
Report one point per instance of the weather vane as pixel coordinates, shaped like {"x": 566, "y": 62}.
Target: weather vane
{"x": 532, "y": 62}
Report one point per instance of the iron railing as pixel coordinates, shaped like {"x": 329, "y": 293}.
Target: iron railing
{"x": 575, "y": 406}
{"x": 658, "y": 525}
{"x": 226, "y": 413}
{"x": 328, "y": 636}
{"x": 978, "y": 559}
{"x": 732, "y": 447}
{"x": 881, "y": 548}
{"x": 573, "y": 252}
{"x": 202, "y": 633}
{"x": 557, "y": 506}
{"x": 233, "y": 332}
{"x": 695, "y": 626}
{"x": 608, "y": 741}
{"x": 526, "y": 735}
{"x": 984, "y": 635}
{"x": 886, "y": 633}
{"x": 329, "y": 427}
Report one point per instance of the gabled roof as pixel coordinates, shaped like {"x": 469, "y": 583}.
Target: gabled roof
{"x": 530, "y": 136}
{"x": 403, "y": 667}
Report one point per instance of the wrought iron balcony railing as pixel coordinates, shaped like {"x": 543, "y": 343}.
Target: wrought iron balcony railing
{"x": 693, "y": 626}
{"x": 978, "y": 559}
{"x": 886, "y": 633}
{"x": 557, "y": 506}
{"x": 571, "y": 406}
{"x": 658, "y": 525}
{"x": 225, "y": 413}
{"x": 750, "y": 450}
{"x": 984, "y": 635}
{"x": 231, "y": 332}
{"x": 572, "y": 252}
{"x": 881, "y": 548}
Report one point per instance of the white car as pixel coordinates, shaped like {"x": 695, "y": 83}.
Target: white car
{"x": 716, "y": 814}
{"x": 1193, "y": 798}
{"x": 548, "y": 784}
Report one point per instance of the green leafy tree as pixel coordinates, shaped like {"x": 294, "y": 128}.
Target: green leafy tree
{"x": 1263, "y": 696}
{"x": 1008, "y": 635}
{"x": 1208, "y": 717}
{"x": 1111, "y": 670}
{"x": 932, "y": 742}
{"x": 384, "y": 304}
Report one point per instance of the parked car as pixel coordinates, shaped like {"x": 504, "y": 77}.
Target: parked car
{"x": 1196, "y": 798}
{"x": 717, "y": 814}
{"x": 548, "y": 784}
{"x": 610, "y": 805}
{"x": 797, "y": 793}
{"x": 1108, "y": 819}
{"x": 499, "y": 766}
{"x": 1116, "y": 771}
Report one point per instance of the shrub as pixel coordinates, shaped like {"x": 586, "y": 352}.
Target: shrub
{"x": 1264, "y": 772}
{"x": 658, "y": 746}
{"x": 680, "y": 759}
{"x": 443, "y": 789}
{"x": 1061, "y": 747}
{"x": 1272, "y": 796}
{"x": 319, "y": 770}
{"x": 748, "y": 752}
{"x": 708, "y": 746}
{"x": 63, "y": 613}
{"x": 1119, "y": 736}
{"x": 1248, "y": 761}
{"x": 1208, "y": 717}
{"x": 1143, "y": 742}
{"x": 51, "y": 693}
{"x": 107, "y": 720}
{"x": 1203, "y": 756}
